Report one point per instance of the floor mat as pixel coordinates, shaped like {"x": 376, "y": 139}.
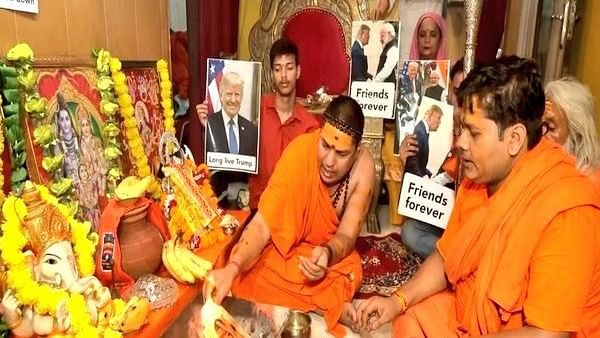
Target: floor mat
{"x": 387, "y": 264}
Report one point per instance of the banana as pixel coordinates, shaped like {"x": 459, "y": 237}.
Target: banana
{"x": 197, "y": 260}
{"x": 194, "y": 264}
{"x": 175, "y": 267}
{"x": 165, "y": 261}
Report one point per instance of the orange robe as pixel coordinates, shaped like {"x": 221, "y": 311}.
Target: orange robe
{"x": 526, "y": 255}
{"x": 298, "y": 210}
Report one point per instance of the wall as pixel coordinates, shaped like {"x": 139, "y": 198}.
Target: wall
{"x": 129, "y": 29}
{"x": 586, "y": 50}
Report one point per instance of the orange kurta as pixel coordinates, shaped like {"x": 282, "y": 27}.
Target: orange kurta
{"x": 526, "y": 255}
{"x": 298, "y": 210}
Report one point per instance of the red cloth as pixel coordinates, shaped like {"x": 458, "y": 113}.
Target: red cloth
{"x": 324, "y": 56}
{"x": 274, "y": 139}
{"x": 300, "y": 216}
{"x": 109, "y": 247}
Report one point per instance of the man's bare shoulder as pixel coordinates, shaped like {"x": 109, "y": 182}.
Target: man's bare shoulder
{"x": 364, "y": 169}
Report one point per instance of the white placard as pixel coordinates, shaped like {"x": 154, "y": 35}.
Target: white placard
{"x": 375, "y": 98}
{"x": 29, "y": 6}
{"x": 424, "y": 200}
{"x": 231, "y": 161}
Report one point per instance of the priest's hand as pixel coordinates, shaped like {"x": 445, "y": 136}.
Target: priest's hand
{"x": 315, "y": 266}
{"x": 377, "y": 311}
{"x": 218, "y": 282}
{"x": 202, "y": 111}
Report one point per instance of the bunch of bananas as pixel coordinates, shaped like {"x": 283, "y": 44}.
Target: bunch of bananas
{"x": 182, "y": 263}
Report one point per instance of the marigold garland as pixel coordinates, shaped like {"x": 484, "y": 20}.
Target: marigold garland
{"x": 166, "y": 91}
{"x": 132, "y": 133}
{"x": 43, "y": 298}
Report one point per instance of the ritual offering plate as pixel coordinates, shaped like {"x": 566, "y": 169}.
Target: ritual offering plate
{"x": 255, "y": 323}
{"x": 159, "y": 291}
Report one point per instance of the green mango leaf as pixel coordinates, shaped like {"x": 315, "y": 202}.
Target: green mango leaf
{"x": 10, "y": 135}
{"x": 11, "y": 109}
{"x": 12, "y": 121}
{"x": 17, "y": 187}
{"x": 8, "y": 71}
{"x": 18, "y": 175}
{"x": 11, "y": 95}
{"x": 19, "y": 159}
{"x": 19, "y": 146}
{"x": 11, "y": 82}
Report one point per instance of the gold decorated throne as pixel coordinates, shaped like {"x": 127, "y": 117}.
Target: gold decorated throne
{"x": 322, "y": 31}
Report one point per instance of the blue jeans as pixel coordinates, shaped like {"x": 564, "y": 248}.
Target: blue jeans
{"x": 420, "y": 237}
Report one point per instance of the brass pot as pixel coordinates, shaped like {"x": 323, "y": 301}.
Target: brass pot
{"x": 297, "y": 325}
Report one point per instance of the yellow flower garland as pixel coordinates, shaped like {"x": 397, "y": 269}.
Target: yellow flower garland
{"x": 131, "y": 132}
{"x": 166, "y": 90}
{"x": 110, "y": 130}
{"x": 43, "y": 298}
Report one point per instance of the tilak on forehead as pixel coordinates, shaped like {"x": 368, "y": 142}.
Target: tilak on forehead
{"x": 339, "y": 134}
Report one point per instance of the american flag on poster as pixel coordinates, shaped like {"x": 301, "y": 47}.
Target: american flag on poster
{"x": 215, "y": 72}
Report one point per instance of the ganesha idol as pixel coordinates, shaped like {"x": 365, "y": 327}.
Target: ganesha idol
{"x": 38, "y": 250}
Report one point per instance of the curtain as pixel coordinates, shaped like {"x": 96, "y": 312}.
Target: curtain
{"x": 212, "y": 32}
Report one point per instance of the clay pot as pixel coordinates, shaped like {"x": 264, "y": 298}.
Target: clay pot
{"x": 141, "y": 243}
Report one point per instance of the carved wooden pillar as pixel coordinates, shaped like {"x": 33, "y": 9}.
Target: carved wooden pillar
{"x": 373, "y": 140}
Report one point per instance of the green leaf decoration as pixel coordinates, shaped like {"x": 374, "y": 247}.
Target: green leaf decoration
{"x": 18, "y": 175}
{"x": 44, "y": 135}
{"x": 105, "y": 83}
{"x": 36, "y": 105}
{"x": 21, "y": 53}
{"x": 11, "y": 95}
{"x": 11, "y": 109}
{"x": 109, "y": 108}
{"x": 114, "y": 173}
{"x": 11, "y": 82}
{"x": 18, "y": 160}
{"x": 8, "y": 71}
{"x": 111, "y": 130}
{"x": 19, "y": 146}
{"x": 111, "y": 152}
{"x": 52, "y": 163}
{"x": 12, "y": 121}
{"x": 28, "y": 80}
{"x": 10, "y": 135}
{"x": 61, "y": 187}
